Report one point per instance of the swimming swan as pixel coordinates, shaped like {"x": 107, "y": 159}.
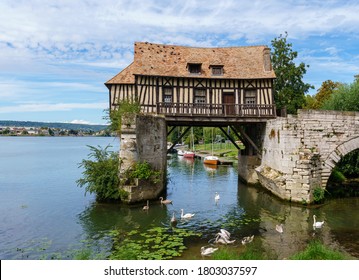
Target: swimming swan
{"x": 166, "y": 201}
{"x": 216, "y": 197}
{"x": 279, "y": 228}
{"x": 186, "y": 216}
{"x": 146, "y": 207}
{"x": 173, "y": 220}
{"x": 317, "y": 224}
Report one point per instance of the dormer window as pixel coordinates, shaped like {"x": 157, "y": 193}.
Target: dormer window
{"x": 217, "y": 70}
{"x": 194, "y": 68}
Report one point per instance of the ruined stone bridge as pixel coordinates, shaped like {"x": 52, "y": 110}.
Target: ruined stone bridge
{"x": 290, "y": 156}
{"x": 299, "y": 152}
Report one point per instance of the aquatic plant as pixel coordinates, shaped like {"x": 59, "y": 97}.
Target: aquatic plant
{"x": 156, "y": 243}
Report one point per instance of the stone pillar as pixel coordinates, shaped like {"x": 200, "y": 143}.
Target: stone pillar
{"x": 143, "y": 139}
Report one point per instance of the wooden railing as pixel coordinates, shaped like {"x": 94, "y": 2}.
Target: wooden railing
{"x": 227, "y": 110}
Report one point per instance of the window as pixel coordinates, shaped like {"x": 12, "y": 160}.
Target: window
{"x": 250, "y": 96}
{"x": 217, "y": 70}
{"x": 199, "y": 96}
{"x": 167, "y": 95}
{"x": 194, "y": 68}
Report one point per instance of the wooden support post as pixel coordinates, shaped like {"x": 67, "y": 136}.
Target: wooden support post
{"x": 229, "y": 137}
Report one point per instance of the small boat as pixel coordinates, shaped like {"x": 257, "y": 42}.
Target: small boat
{"x": 213, "y": 160}
{"x": 188, "y": 154}
{"x": 180, "y": 152}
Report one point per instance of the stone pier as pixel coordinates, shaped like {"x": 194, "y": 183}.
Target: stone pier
{"x": 143, "y": 138}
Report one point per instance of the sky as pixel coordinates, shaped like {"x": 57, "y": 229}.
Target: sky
{"x": 55, "y": 56}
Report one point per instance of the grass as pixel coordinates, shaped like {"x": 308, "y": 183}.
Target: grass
{"x": 314, "y": 251}
{"x": 317, "y": 251}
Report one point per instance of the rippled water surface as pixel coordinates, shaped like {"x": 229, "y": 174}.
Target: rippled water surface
{"x": 45, "y": 215}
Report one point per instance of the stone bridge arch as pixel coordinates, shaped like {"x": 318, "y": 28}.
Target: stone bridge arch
{"x": 336, "y": 155}
{"x": 300, "y": 151}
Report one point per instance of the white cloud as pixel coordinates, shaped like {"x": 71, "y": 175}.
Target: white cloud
{"x": 49, "y": 107}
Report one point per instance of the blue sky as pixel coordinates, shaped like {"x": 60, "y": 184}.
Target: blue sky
{"x": 56, "y": 55}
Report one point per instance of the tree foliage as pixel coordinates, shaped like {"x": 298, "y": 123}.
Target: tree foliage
{"x": 344, "y": 98}
{"x": 323, "y": 94}
{"x": 289, "y": 88}
{"x": 100, "y": 175}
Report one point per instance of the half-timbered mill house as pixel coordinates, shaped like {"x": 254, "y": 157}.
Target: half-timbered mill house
{"x": 193, "y": 84}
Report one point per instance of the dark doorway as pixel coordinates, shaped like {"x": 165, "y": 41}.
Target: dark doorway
{"x": 228, "y": 102}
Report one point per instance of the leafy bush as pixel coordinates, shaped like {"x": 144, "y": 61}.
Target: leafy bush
{"x": 318, "y": 194}
{"x": 100, "y": 175}
{"x": 144, "y": 171}
{"x": 125, "y": 111}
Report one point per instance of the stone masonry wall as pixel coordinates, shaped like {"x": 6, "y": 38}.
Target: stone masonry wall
{"x": 144, "y": 139}
{"x": 300, "y": 151}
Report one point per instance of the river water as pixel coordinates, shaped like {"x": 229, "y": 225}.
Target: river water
{"x": 44, "y": 215}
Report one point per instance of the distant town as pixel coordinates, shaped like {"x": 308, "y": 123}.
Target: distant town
{"x": 26, "y": 128}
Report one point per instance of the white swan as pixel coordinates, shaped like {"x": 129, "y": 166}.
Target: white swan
{"x": 279, "y": 228}
{"x": 317, "y": 224}
{"x": 173, "y": 220}
{"x": 146, "y": 207}
{"x": 247, "y": 239}
{"x": 208, "y": 251}
{"x": 216, "y": 197}
{"x": 186, "y": 216}
{"x": 226, "y": 233}
{"x": 223, "y": 239}
{"x": 166, "y": 201}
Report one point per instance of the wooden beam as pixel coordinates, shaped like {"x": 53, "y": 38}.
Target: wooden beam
{"x": 230, "y": 138}
{"x": 250, "y": 141}
{"x": 177, "y": 140}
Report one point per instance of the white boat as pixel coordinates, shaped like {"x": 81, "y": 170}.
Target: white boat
{"x": 212, "y": 160}
{"x": 180, "y": 152}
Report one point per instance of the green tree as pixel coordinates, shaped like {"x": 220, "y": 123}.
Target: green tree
{"x": 323, "y": 93}
{"x": 345, "y": 98}
{"x": 289, "y": 88}
{"x": 100, "y": 175}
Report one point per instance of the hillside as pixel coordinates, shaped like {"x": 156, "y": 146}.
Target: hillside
{"x": 68, "y": 126}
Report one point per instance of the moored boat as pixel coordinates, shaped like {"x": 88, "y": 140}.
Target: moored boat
{"x": 212, "y": 160}
{"x": 188, "y": 154}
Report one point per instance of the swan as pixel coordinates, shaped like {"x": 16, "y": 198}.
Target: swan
{"x": 146, "y": 207}
{"x": 216, "y": 197}
{"x": 279, "y": 228}
{"x": 173, "y": 220}
{"x": 247, "y": 239}
{"x": 186, "y": 216}
{"x": 208, "y": 251}
{"x": 166, "y": 201}
{"x": 226, "y": 233}
{"x": 223, "y": 239}
{"x": 317, "y": 224}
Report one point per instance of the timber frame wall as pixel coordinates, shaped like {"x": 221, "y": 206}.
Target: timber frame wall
{"x": 149, "y": 91}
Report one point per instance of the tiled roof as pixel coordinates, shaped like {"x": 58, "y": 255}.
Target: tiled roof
{"x": 169, "y": 60}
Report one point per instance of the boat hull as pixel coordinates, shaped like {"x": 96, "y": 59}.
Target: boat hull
{"x": 211, "y": 160}
{"x": 188, "y": 154}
